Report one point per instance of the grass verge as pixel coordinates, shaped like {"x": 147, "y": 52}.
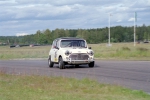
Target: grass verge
{"x": 24, "y": 52}
{"x": 121, "y": 51}
{"x": 14, "y": 87}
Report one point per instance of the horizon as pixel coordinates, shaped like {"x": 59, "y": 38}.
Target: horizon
{"x": 23, "y": 34}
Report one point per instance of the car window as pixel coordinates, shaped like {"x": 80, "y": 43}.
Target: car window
{"x": 54, "y": 44}
{"x": 57, "y": 43}
{"x": 73, "y": 43}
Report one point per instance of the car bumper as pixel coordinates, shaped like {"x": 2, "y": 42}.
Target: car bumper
{"x": 79, "y": 61}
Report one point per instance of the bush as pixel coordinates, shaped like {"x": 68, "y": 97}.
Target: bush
{"x": 142, "y": 49}
{"x": 126, "y": 48}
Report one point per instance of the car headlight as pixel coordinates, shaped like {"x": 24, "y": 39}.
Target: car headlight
{"x": 91, "y": 53}
{"x": 67, "y": 53}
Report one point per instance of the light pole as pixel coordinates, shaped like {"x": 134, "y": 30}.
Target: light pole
{"x": 109, "y": 32}
{"x": 135, "y": 18}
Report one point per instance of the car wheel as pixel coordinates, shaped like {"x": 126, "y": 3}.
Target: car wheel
{"x": 76, "y": 66}
{"x": 61, "y": 63}
{"x": 50, "y": 63}
{"x": 91, "y": 64}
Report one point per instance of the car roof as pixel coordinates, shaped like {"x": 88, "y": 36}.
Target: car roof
{"x": 69, "y": 38}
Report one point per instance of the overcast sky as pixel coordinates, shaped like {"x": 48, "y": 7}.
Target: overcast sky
{"x": 28, "y": 16}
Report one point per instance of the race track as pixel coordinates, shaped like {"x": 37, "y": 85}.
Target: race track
{"x": 130, "y": 74}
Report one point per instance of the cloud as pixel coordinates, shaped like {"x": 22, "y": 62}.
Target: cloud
{"x": 131, "y": 19}
{"x": 21, "y": 34}
{"x": 119, "y": 20}
{"x": 28, "y": 16}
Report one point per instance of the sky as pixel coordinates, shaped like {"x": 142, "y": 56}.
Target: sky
{"x": 22, "y": 17}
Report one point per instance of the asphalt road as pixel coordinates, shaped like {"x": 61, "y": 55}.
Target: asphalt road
{"x": 130, "y": 74}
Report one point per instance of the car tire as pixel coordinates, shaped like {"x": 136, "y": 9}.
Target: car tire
{"x": 50, "y": 63}
{"x": 91, "y": 64}
{"x": 61, "y": 63}
{"x": 76, "y": 66}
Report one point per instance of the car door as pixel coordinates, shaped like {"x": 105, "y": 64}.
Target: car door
{"x": 54, "y": 51}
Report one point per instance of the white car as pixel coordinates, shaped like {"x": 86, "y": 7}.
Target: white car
{"x": 72, "y": 51}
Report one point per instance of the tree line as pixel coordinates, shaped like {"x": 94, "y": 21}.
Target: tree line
{"x": 99, "y": 35}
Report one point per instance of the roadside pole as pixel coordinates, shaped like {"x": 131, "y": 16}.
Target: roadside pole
{"x": 109, "y": 32}
{"x": 135, "y": 28}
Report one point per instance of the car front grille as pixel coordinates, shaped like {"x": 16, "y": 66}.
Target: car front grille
{"x": 79, "y": 56}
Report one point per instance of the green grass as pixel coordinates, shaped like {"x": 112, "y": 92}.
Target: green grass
{"x": 24, "y": 52}
{"x": 122, "y": 51}
{"x": 118, "y": 51}
{"x": 14, "y": 87}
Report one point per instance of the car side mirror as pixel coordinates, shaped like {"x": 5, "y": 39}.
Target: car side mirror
{"x": 57, "y": 48}
{"x": 90, "y": 47}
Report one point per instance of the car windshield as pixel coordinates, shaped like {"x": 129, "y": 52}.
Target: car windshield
{"x": 73, "y": 43}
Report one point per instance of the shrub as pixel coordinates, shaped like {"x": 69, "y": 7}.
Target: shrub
{"x": 126, "y": 48}
{"x": 142, "y": 49}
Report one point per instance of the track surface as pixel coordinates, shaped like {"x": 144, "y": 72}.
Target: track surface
{"x": 131, "y": 74}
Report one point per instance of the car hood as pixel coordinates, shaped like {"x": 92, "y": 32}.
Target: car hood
{"x": 77, "y": 50}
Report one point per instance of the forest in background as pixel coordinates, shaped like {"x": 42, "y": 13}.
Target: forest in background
{"x": 92, "y": 36}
